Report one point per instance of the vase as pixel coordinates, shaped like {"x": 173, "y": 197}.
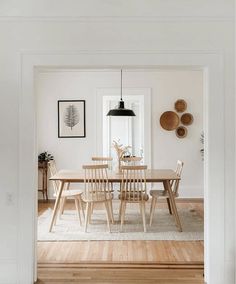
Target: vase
{"x": 118, "y": 166}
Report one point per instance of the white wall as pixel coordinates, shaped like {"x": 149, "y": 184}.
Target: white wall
{"x": 166, "y": 85}
{"x": 56, "y": 27}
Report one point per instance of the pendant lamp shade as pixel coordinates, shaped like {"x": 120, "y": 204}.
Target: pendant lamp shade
{"x": 121, "y": 110}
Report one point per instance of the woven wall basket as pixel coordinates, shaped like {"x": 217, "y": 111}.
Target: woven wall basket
{"x": 169, "y": 120}
{"x": 180, "y": 105}
{"x": 187, "y": 119}
{"x": 181, "y": 132}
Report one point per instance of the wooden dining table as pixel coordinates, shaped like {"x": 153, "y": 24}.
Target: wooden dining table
{"x": 164, "y": 176}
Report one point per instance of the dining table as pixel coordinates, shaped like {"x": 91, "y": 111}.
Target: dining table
{"x": 164, "y": 176}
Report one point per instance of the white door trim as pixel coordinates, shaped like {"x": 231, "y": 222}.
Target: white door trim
{"x": 127, "y": 92}
{"x": 212, "y": 64}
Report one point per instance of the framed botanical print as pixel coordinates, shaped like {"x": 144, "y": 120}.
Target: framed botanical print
{"x": 71, "y": 118}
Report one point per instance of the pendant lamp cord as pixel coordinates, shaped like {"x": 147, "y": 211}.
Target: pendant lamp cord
{"x": 121, "y": 85}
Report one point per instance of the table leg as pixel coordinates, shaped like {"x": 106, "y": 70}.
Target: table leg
{"x": 56, "y": 205}
{"x": 46, "y": 183}
{"x": 167, "y": 187}
{"x": 43, "y": 181}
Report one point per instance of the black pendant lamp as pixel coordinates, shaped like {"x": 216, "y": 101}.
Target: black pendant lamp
{"x": 121, "y": 110}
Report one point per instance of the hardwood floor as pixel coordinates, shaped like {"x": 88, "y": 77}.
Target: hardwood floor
{"x": 121, "y": 261}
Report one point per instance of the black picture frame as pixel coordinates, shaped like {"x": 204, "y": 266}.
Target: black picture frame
{"x": 71, "y": 118}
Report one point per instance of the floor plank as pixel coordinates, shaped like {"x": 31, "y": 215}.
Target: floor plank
{"x": 119, "y": 275}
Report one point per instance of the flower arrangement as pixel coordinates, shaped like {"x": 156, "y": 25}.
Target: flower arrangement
{"x": 121, "y": 151}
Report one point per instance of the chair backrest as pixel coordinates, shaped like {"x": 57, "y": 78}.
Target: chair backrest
{"x": 175, "y": 183}
{"x": 131, "y": 160}
{"x": 53, "y": 170}
{"x": 133, "y": 185}
{"x": 96, "y": 185}
{"x": 103, "y": 160}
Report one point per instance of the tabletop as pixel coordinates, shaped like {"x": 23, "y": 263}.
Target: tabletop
{"x": 152, "y": 175}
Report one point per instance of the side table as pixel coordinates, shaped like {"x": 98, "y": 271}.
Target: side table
{"x": 43, "y": 168}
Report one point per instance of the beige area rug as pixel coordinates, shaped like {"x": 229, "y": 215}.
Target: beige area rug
{"x": 163, "y": 227}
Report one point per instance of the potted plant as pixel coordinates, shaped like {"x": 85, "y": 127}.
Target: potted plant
{"x": 44, "y": 158}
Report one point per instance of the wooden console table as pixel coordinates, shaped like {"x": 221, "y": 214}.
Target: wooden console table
{"x": 43, "y": 168}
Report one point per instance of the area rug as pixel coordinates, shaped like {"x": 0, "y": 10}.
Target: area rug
{"x": 163, "y": 227}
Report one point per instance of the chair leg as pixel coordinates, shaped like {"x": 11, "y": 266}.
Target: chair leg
{"x": 111, "y": 211}
{"x": 77, "y": 206}
{"x": 63, "y": 205}
{"x": 59, "y": 212}
{"x": 123, "y": 207}
{"x": 153, "y": 206}
{"x": 81, "y": 205}
{"x": 87, "y": 213}
{"x": 120, "y": 210}
{"x": 107, "y": 214}
{"x": 169, "y": 206}
{"x": 91, "y": 212}
{"x": 144, "y": 216}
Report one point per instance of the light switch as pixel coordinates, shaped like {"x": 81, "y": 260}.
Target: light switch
{"x": 9, "y": 199}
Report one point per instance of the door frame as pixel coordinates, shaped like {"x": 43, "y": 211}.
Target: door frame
{"x": 127, "y": 92}
{"x": 211, "y": 62}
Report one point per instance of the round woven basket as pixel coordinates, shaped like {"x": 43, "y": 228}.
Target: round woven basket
{"x": 180, "y": 105}
{"x": 187, "y": 119}
{"x": 169, "y": 120}
{"x": 181, "y": 132}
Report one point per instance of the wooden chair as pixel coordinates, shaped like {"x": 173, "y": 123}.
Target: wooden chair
{"x": 162, "y": 194}
{"x": 103, "y": 160}
{"x": 129, "y": 161}
{"x": 132, "y": 161}
{"x": 133, "y": 190}
{"x": 67, "y": 193}
{"x": 97, "y": 190}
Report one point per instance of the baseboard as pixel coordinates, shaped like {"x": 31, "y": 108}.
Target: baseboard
{"x": 46, "y": 201}
{"x": 189, "y": 200}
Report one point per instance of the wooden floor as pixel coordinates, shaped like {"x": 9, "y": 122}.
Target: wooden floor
{"x": 121, "y": 261}
{"x": 119, "y": 276}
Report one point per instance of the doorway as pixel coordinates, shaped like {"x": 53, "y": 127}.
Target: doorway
{"x": 146, "y": 126}
{"x": 135, "y": 132}
{"x": 210, "y": 62}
